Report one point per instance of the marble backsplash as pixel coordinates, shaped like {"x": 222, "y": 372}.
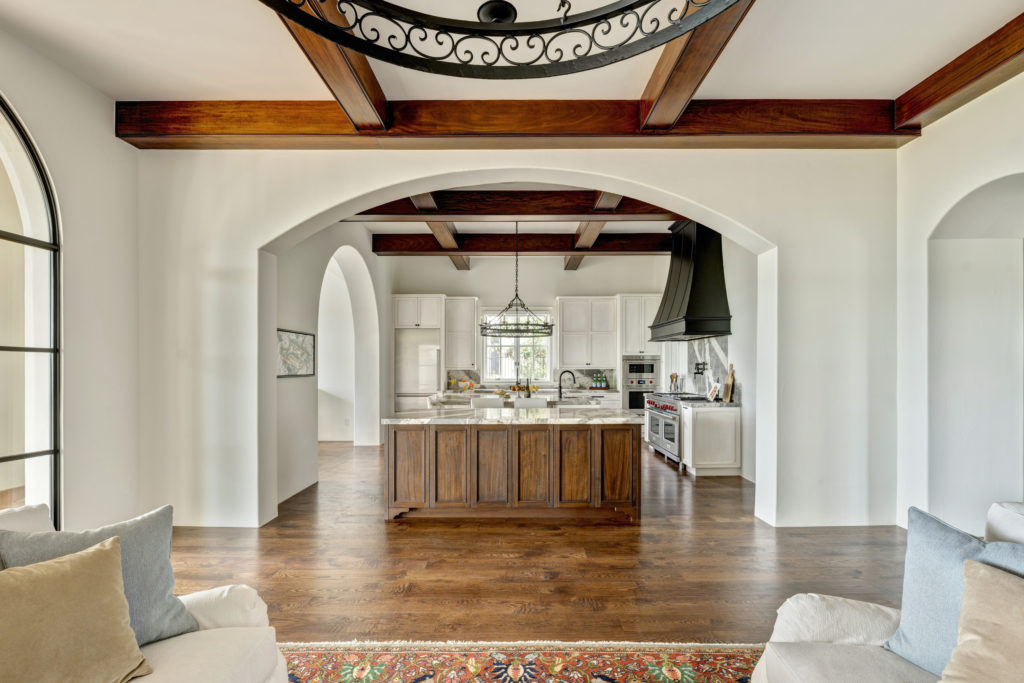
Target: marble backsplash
{"x": 683, "y": 356}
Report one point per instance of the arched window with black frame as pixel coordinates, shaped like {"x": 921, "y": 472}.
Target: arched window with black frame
{"x": 29, "y": 325}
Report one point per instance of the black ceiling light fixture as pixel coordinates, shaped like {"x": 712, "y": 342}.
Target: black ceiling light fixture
{"x": 496, "y": 46}
{"x": 516, "y": 320}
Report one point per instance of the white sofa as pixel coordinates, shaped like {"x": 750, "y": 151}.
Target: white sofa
{"x": 234, "y": 644}
{"x": 825, "y": 638}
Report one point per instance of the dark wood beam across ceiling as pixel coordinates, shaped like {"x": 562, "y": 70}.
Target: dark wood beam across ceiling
{"x": 444, "y": 231}
{"x": 544, "y": 244}
{"x": 498, "y": 124}
{"x": 991, "y": 62}
{"x": 683, "y": 65}
{"x": 514, "y": 205}
{"x": 588, "y": 231}
{"x": 346, "y": 73}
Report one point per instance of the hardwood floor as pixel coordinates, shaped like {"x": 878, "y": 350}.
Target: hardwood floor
{"x": 699, "y": 567}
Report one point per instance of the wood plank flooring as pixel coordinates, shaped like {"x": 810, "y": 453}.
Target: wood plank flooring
{"x": 698, "y": 568}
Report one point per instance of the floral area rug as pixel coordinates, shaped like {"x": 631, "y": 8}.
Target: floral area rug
{"x": 365, "y": 662}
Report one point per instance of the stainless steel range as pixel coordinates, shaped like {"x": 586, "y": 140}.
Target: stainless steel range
{"x": 664, "y": 424}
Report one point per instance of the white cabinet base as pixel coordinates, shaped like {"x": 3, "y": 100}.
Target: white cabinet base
{"x": 710, "y": 441}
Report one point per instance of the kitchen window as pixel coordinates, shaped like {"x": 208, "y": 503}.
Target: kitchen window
{"x": 29, "y": 332}
{"x": 533, "y": 355}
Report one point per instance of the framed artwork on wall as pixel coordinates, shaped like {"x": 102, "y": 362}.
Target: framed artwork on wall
{"x": 296, "y": 354}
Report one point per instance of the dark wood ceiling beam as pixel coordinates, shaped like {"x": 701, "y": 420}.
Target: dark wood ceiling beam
{"x": 543, "y": 244}
{"x": 683, "y": 65}
{"x": 444, "y": 231}
{"x": 347, "y": 74}
{"x": 496, "y": 124}
{"x": 514, "y": 205}
{"x": 588, "y": 231}
{"x": 988, "y": 64}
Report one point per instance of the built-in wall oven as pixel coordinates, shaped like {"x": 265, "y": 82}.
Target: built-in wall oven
{"x": 639, "y": 376}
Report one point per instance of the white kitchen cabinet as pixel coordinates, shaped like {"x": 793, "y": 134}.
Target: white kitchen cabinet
{"x": 460, "y": 331}
{"x": 636, "y": 313}
{"x": 424, "y": 312}
{"x": 709, "y": 440}
{"x": 587, "y": 332}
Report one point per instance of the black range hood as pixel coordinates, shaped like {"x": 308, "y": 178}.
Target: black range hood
{"x": 694, "y": 305}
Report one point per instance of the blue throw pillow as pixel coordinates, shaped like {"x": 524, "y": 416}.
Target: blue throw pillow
{"x": 933, "y": 586}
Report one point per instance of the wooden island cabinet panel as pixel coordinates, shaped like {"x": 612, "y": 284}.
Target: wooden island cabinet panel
{"x": 449, "y": 466}
{"x": 531, "y": 465}
{"x": 514, "y": 470}
{"x": 617, "y": 464}
{"x": 407, "y": 471}
{"x": 573, "y": 466}
{"x": 491, "y": 465}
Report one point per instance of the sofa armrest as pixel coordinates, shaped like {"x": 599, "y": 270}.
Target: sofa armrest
{"x": 810, "y": 617}
{"x": 227, "y": 607}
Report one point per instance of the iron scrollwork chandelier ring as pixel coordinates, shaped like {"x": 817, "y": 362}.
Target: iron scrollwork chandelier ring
{"x": 504, "y": 49}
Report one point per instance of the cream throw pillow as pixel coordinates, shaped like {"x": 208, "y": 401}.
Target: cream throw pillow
{"x": 991, "y": 627}
{"x": 67, "y": 620}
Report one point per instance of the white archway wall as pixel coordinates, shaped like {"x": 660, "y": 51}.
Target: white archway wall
{"x": 974, "y": 145}
{"x": 335, "y": 358}
{"x": 204, "y": 216}
{"x": 300, "y": 273}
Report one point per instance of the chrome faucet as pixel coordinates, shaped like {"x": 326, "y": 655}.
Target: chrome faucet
{"x": 560, "y": 376}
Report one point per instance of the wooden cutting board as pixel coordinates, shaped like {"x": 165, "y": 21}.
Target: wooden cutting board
{"x": 729, "y": 381}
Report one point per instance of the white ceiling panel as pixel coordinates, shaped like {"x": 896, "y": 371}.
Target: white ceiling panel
{"x": 834, "y": 49}
{"x": 238, "y": 49}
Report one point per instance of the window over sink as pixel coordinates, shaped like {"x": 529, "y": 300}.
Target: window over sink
{"x": 501, "y": 355}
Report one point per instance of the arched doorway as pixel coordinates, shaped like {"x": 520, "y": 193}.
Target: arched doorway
{"x": 323, "y": 234}
{"x": 349, "y": 354}
{"x": 976, "y": 327}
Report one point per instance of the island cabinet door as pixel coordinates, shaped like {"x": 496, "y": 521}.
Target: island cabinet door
{"x": 407, "y": 466}
{"x": 491, "y": 466}
{"x": 617, "y": 466}
{"x": 531, "y": 466}
{"x": 448, "y": 460}
{"x": 573, "y": 466}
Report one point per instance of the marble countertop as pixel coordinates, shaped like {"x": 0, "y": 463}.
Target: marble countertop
{"x": 506, "y": 416}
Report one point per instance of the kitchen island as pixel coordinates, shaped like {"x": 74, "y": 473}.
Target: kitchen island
{"x": 541, "y": 462}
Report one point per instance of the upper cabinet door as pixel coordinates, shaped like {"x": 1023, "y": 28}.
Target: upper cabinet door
{"x": 430, "y": 312}
{"x": 633, "y": 337}
{"x": 602, "y": 350}
{"x": 574, "y": 315}
{"x": 602, "y": 315}
{"x": 460, "y": 315}
{"x": 407, "y": 312}
{"x": 574, "y": 350}
{"x": 651, "y": 305}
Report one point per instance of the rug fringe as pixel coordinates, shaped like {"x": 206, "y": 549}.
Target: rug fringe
{"x": 508, "y": 643}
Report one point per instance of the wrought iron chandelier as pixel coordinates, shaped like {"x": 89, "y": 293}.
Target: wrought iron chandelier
{"x": 516, "y": 320}
{"x": 495, "y": 46}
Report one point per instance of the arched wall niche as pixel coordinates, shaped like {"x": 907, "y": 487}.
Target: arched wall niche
{"x": 976, "y": 354}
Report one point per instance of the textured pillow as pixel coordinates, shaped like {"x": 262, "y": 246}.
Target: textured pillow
{"x": 1005, "y": 522}
{"x": 145, "y": 560}
{"x": 27, "y": 518}
{"x": 933, "y": 584}
{"x": 67, "y": 620}
{"x": 991, "y": 627}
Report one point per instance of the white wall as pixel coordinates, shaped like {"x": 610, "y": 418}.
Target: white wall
{"x": 94, "y": 176}
{"x": 976, "y": 377}
{"x": 335, "y": 359}
{"x": 978, "y": 143}
{"x": 302, "y": 272}
{"x": 829, "y": 212}
{"x": 741, "y": 285}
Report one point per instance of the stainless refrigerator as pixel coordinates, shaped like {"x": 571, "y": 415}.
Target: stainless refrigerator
{"x": 417, "y": 368}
